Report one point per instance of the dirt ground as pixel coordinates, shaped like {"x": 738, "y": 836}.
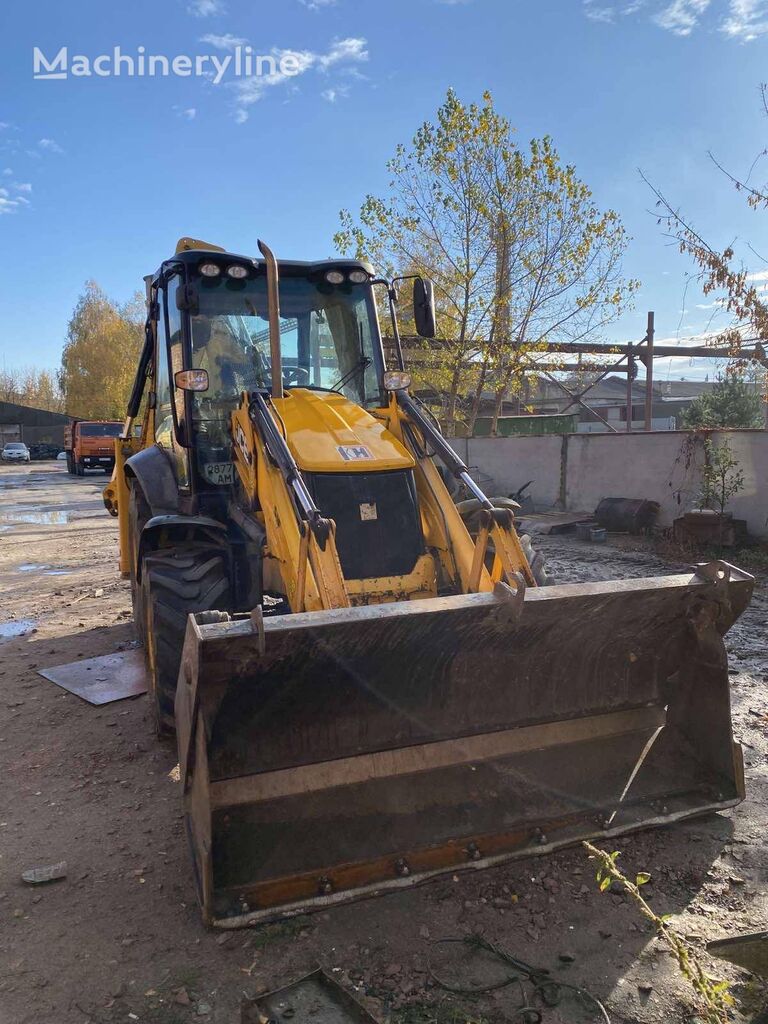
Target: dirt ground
{"x": 120, "y": 938}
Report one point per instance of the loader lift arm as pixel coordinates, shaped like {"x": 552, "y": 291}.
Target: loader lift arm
{"x": 496, "y": 524}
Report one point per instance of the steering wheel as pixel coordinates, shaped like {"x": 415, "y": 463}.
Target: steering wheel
{"x": 295, "y": 376}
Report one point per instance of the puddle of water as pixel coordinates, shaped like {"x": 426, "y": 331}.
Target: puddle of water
{"x": 17, "y": 628}
{"x": 58, "y": 572}
{"x": 31, "y": 567}
{"x": 39, "y": 518}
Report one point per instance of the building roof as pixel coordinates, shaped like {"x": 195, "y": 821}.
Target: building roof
{"x": 11, "y": 412}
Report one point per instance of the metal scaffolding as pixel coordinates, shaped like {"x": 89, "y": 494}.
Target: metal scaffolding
{"x": 629, "y": 354}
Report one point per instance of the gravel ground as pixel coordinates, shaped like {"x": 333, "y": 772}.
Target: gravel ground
{"x": 120, "y": 939}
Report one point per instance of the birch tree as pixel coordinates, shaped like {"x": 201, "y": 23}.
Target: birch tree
{"x": 518, "y": 250}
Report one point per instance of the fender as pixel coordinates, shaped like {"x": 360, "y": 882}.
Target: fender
{"x": 153, "y": 471}
{"x": 197, "y": 528}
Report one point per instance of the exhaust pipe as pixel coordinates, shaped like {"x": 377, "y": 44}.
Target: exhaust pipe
{"x": 273, "y": 303}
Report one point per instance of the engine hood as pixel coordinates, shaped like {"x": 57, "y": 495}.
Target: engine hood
{"x": 327, "y": 433}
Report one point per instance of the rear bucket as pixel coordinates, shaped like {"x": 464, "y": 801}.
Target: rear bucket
{"x": 330, "y": 755}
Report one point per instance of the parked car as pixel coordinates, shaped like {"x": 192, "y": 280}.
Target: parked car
{"x": 15, "y": 451}
{"x": 44, "y": 451}
{"x": 61, "y": 457}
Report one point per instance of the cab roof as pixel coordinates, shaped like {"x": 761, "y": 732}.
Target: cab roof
{"x": 191, "y": 257}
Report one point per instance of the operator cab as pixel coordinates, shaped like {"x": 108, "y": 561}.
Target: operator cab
{"x": 214, "y": 315}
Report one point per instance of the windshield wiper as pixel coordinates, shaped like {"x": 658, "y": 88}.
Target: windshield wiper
{"x": 362, "y": 364}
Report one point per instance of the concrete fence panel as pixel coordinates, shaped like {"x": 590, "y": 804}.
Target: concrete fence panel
{"x": 576, "y": 471}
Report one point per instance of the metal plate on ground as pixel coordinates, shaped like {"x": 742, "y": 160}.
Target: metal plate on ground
{"x": 749, "y": 951}
{"x": 550, "y": 522}
{"x": 102, "y": 680}
{"x": 314, "y": 999}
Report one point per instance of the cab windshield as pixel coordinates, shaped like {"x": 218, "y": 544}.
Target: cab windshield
{"x": 328, "y": 338}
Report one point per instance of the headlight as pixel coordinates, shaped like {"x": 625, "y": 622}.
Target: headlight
{"x": 334, "y": 277}
{"x": 210, "y": 269}
{"x": 397, "y": 380}
{"x": 358, "y": 277}
{"x": 237, "y": 271}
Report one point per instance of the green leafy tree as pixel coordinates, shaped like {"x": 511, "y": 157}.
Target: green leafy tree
{"x": 730, "y": 403}
{"x": 99, "y": 360}
{"x": 722, "y": 477}
{"x": 513, "y": 240}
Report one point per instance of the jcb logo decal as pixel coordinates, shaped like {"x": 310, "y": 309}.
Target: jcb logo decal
{"x": 242, "y": 443}
{"x": 353, "y": 452}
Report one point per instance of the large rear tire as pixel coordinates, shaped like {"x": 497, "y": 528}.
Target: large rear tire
{"x": 192, "y": 578}
{"x": 139, "y": 514}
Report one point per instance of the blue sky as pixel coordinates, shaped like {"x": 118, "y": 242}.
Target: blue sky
{"x": 100, "y": 175}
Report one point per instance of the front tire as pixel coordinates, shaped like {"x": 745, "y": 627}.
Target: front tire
{"x": 175, "y": 582}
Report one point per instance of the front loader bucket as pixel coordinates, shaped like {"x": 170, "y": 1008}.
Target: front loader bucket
{"x": 330, "y": 755}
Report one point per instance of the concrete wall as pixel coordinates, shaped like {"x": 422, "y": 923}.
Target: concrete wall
{"x": 513, "y": 461}
{"x": 576, "y": 471}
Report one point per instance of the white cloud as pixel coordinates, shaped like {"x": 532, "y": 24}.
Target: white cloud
{"x": 51, "y": 145}
{"x": 224, "y": 42}
{"x": 335, "y": 93}
{"x": 746, "y": 21}
{"x": 759, "y": 275}
{"x": 205, "y": 8}
{"x": 607, "y": 15}
{"x": 740, "y": 20}
{"x": 8, "y": 205}
{"x": 23, "y": 186}
{"x": 342, "y": 54}
{"x": 8, "y": 172}
{"x": 343, "y": 51}
{"x": 681, "y": 16}
{"x": 317, "y": 5}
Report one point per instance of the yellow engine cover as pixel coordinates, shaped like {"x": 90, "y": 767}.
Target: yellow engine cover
{"x": 327, "y": 433}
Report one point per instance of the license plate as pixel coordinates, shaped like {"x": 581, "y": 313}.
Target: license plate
{"x": 218, "y": 472}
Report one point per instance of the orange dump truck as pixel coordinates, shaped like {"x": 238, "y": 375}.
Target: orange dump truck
{"x": 90, "y": 444}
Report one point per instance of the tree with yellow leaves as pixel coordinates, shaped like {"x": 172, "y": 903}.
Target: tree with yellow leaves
{"x": 518, "y": 250}
{"x": 99, "y": 360}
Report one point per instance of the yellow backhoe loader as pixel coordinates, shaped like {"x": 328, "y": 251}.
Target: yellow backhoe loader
{"x": 365, "y": 694}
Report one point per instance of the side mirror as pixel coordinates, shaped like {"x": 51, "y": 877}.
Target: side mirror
{"x": 424, "y": 307}
{"x": 191, "y": 380}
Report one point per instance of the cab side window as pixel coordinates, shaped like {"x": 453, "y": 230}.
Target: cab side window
{"x": 163, "y": 411}
{"x": 170, "y": 344}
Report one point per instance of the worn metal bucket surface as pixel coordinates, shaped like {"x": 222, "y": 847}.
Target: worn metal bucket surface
{"x": 328, "y": 755}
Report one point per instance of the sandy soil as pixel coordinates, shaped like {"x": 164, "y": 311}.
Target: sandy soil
{"x": 120, "y": 939}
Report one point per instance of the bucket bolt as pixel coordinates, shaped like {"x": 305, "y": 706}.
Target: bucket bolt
{"x": 473, "y": 852}
{"x": 401, "y": 867}
{"x": 325, "y": 886}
